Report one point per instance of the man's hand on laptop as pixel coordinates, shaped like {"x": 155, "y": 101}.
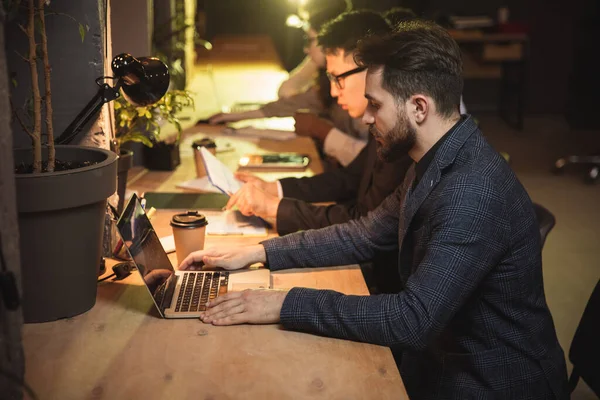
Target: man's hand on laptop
{"x": 229, "y": 258}
{"x": 247, "y": 307}
{"x": 269, "y": 187}
{"x": 251, "y": 200}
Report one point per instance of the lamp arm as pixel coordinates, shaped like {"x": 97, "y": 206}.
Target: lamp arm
{"x": 105, "y": 94}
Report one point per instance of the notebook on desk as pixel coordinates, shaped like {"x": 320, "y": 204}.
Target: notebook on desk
{"x": 177, "y": 294}
{"x": 186, "y": 201}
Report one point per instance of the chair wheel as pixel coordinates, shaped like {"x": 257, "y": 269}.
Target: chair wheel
{"x": 593, "y": 175}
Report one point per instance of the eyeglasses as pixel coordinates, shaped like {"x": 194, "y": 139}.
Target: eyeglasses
{"x": 339, "y": 79}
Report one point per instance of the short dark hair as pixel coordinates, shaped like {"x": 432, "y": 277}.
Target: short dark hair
{"x": 417, "y": 57}
{"x": 344, "y": 32}
{"x": 320, "y": 11}
{"x": 396, "y": 15}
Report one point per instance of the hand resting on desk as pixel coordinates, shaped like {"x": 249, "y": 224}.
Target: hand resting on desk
{"x": 251, "y": 306}
{"x": 246, "y": 307}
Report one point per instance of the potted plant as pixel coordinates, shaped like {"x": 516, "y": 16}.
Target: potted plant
{"x": 61, "y": 195}
{"x": 143, "y": 125}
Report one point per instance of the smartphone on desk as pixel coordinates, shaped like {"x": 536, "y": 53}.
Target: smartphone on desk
{"x": 292, "y": 161}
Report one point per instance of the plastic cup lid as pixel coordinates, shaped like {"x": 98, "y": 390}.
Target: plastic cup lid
{"x": 205, "y": 142}
{"x": 190, "y": 219}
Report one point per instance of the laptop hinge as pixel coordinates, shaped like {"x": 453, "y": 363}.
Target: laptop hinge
{"x": 167, "y": 299}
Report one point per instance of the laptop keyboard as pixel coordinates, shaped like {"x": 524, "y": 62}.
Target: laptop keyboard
{"x": 198, "y": 288}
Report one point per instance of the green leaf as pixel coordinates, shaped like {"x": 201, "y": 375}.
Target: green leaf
{"x": 81, "y": 32}
{"x": 14, "y": 82}
{"x": 137, "y": 137}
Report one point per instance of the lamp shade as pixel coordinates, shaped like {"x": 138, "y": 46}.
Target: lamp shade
{"x": 145, "y": 80}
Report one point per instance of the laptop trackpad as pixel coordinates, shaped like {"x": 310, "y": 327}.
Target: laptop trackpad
{"x": 249, "y": 279}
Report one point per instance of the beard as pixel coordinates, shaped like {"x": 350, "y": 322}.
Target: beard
{"x": 397, "y": 142}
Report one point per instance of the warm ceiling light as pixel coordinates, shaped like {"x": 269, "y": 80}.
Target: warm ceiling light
{"x": 294, "y": 21}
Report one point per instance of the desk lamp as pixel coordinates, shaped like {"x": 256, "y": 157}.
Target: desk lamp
{"x": 144, "y": 81}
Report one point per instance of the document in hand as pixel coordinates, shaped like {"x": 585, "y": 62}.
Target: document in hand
{"x": 219, "y": 175}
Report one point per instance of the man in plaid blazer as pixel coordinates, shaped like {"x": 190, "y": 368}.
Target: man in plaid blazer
{"x": 472, "y": 319}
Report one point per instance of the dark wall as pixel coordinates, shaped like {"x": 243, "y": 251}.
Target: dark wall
{"x": 551, "y": 52}
{"x": 131, "y": 27}
{"x": 583, "y": 99}
{"x": 75, "y": 64}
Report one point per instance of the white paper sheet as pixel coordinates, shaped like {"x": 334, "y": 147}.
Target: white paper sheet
{"x": 168, "y": 243}
{"x": 218, "y": 174}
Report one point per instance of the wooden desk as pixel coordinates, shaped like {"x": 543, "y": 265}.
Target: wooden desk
{"x": 121, "y": 349}
{"x": 501, "y": 56}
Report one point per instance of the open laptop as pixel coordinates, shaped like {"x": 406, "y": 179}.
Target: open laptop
{"x": 177, "y": 294}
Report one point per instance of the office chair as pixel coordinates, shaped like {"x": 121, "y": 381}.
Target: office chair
{"x": 592, "y": 161}
{"x": 585, "y": 348}
{"x": 545, "y": 220}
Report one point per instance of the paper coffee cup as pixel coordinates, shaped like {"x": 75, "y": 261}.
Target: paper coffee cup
{"x": 211, "y": 146}
{"x": 189, "y": 230}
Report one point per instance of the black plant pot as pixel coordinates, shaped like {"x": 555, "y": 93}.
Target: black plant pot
{"x": 123, "y": 166}
{"x": 61, "y": 220}
{"x": 162, "y": 156}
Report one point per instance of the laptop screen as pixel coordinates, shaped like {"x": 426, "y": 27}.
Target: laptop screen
{"x": 145, "y": 249}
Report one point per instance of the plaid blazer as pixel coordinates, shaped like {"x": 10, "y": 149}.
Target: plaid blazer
{"x": 472, "y": 319}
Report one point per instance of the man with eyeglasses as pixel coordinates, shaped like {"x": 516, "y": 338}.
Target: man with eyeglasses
{"x": 358, "y": 188}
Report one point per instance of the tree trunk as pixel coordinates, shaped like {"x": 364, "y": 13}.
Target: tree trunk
{"x": 35, "y": 87}
{"x": 11, "y": 351}
{"x": 47, "y": 85}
